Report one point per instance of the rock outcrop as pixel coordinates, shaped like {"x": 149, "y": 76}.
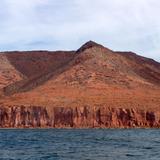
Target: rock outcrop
{"x": 77, "y": 117}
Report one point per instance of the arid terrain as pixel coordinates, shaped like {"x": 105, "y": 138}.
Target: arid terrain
{"x": 91, "y": 87}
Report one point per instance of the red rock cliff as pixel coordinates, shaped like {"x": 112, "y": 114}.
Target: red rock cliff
{"x": 82, "y": 117}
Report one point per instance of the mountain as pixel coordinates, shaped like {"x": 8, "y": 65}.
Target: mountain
{"x": 91, "y": 87}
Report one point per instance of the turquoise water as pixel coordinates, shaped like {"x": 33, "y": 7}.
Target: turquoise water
{"x": 80, "y": 144}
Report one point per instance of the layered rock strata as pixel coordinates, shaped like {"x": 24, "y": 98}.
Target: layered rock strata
{"x": 77, "y": 117}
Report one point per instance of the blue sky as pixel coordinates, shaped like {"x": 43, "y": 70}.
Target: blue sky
{"x": 124, "y": 25}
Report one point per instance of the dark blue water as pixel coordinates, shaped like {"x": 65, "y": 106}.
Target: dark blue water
{"x": 80, "y": 144}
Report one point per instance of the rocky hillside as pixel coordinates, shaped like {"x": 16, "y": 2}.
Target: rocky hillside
{"x": 91, "y": 87}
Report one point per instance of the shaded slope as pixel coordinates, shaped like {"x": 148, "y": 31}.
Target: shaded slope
{"x": 144, "y": 67}
{"x": 34, "y": 63}
{"x": 37, "y": 66}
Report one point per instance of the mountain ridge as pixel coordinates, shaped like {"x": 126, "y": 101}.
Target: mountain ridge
{"x": 95, "y": 54}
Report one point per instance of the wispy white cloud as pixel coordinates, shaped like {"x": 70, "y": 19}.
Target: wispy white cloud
{"x": 60, "y": 24}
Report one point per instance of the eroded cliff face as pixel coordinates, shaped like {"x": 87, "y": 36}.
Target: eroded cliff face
{"x": 78, "y": 117}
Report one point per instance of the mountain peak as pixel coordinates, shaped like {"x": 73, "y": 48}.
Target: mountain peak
{"x": 87, "y": 45}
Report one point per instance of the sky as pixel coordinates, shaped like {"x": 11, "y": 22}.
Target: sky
{"x": 121, "y": 25}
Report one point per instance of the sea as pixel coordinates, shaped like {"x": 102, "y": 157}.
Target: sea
{"x": 79, "y": 144}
